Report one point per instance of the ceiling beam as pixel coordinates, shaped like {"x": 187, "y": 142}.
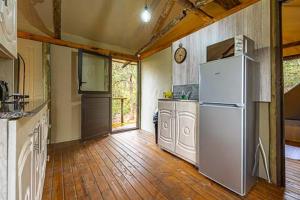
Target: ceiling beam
{"x": 228, "y": 4}
{"x": 291, "y": 57}
{"x": 191, "y": 7}
{"x": 57, "y": 18}
{"x": 188, "y": 6}
{"x": 291, "y": 44}
{"x": 51, "y": 40}
{"x": 200, "y": 3}
{"x": 182, "y": 33}
{"x": 161, "y": 33}
{"x": 163, "y": 16}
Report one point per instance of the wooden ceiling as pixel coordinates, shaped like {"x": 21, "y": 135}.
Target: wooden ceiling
{"x": 291, "y": 29}
{"x": 117, "y": 23}
{"x": 217, "y": 10}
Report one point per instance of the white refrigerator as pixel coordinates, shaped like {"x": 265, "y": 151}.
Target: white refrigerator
{"x": 228, "y": 135}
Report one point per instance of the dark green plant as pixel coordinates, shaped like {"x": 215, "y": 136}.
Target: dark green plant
{"x": 291, "y": 72}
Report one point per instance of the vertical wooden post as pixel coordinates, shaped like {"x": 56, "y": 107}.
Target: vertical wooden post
{"x": 277, "y": 163}
{"x": 57, "y": 18}
{"x": 122, "y": 111}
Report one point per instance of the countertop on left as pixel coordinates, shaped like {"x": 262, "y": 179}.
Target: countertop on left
{"x": 15, "y": 111}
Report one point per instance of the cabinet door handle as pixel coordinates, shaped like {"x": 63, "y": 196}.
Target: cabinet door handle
{"x": 36, "y": 147}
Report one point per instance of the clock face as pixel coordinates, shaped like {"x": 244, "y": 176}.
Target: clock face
{"x": 180, "y": 55}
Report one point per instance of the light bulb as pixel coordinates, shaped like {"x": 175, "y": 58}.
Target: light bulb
{"x": 146, "y": 15}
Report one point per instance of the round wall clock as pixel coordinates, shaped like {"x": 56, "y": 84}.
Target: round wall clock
{"x": 180, "y": 54}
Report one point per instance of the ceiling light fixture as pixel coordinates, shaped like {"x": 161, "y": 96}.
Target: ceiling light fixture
{"x": 146, "y": 15}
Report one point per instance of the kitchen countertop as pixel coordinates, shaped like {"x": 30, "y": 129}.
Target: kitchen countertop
{"x": 181, "y": 100}
{"x": 14, "y": 111}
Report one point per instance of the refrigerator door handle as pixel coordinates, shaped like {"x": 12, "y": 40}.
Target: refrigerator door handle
{"x": 222, "y": 105}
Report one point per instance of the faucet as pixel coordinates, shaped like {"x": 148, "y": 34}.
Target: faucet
{"x": 185, "y": 95}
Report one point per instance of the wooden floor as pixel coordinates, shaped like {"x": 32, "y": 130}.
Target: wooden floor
{"x": 130, "y": 166}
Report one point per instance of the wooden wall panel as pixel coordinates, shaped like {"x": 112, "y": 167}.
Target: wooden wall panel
{"x": 253, "y": 22}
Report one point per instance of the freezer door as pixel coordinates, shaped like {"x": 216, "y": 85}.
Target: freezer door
{"x": 222, "y": 81}
{"x": 221, "y": 145}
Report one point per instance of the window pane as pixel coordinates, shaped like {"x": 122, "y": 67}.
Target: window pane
{"x": 95, "y": 73}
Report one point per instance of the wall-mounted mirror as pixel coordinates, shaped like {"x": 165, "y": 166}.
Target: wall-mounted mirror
{"x": 93, "y": 73}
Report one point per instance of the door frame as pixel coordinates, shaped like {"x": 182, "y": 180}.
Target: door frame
{"x": 138, "y": 99}
{"x": 277, "y": 163}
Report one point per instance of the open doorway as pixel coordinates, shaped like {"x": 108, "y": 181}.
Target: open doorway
{"x": 291, "y": 85}
{"x": 124, "y": 95}
{"x": 291, "y": 72}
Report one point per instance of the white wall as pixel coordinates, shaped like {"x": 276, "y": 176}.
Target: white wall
{"x": 156, "y": 77}
{"x": 65, "y": 102}
{"x": 32, "y": 53}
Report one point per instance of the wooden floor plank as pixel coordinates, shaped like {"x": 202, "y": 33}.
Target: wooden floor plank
{"x": 202, "y": 186}
{"x": 117, "y": 189}
{"x": 178, "y": 175}
{"x": 68, "y": 179}
{"x": 152, "y": 188}
{"x": 120, "y": 168}
{"x": 102, "y": 183}
{"x": 87, "y": 177}
{"x": 130, "y": 165}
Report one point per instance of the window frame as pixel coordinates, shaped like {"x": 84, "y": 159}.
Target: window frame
{"x": 81, "y": 52}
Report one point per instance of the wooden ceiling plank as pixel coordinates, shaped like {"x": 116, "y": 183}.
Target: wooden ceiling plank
{"x": 51, "y": 40}
{"x": 291, "y": 44}
{"x": 57, "y": 18}
{"x": 228, "y": 4}
{"x": 150, "y": 51}
{"x": 190, "y": 6}
{"x": 164, "y": 15}
{"x": 291, "y": 57}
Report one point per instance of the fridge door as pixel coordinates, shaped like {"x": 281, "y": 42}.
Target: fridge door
{"x": 222, "y": 81}
{"x": 221, "y": 145}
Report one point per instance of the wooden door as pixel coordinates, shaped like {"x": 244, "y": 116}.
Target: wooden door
{"x": 95, "y": 86}
{"x": 166, "y": 125}
{"x": 186, "y": 130}
{"x": 95, "y": 116}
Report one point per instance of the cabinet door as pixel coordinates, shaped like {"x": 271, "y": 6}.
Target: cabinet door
{"x": 8, "y": 27}
{"x": 166, "y": 125}
{"x": 186, "y": 130}
{"x": 24, "y": 172}
{"x": 36, "y": 185}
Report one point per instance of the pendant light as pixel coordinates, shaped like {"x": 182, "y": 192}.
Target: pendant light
{"x": 146, "y": 15}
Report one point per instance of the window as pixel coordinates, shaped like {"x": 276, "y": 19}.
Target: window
{"x": 93, "y": 73}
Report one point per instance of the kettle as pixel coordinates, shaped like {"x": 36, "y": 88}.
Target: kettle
{"x": 3, "y": 91}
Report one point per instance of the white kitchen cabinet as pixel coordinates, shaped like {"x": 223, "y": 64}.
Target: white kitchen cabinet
{"x": 8, "y": 28}
{"x": 186, "y": 129}
{"x": 27, "y": 155}
{"x": 166, "y": 125}
{"x": 178, "y": 128}
{"x": 23, "y": 168}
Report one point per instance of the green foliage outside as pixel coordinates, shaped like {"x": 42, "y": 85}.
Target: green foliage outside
{"x": 124, "y": 85}
{"x": 291, "y": 72}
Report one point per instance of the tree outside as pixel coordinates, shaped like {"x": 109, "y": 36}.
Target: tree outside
{"x": 291, "y": 72}
{"x": 124, "y": 88}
